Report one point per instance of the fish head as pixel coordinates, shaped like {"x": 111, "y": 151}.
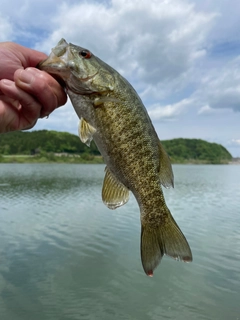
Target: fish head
{"x": 81, "y": 71}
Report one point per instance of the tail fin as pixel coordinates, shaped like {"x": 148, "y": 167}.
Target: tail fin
{"x": 165, "y": 238}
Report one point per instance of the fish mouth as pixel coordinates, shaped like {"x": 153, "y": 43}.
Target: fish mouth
{"x": 59, "y": 62}
{"x": 54, "y": 66}
{"x": 57, "y": 52}
{"x": 72, "y": 74}
{"x": 53, "y": 70}
{"x": 60, "y": 65}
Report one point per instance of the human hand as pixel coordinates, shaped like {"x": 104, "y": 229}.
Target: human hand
{"x": 26, "y": 93}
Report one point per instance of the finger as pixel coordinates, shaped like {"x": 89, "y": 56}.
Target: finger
{"x": 33, "y": 57}
{"x": 6, "y": 99}
{"x": 43, "y": 86}
{"x": 25, "y": 110}
{"x": 27, "y": 56}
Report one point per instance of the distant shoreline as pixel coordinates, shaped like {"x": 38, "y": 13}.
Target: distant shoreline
{"x": 77, "y": 159}
{"x": 235, "y": 161}
{"x": 51, "y": 158}
{"x": 48, "y": 146}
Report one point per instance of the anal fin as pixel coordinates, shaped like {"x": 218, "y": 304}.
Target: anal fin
{"x": 114, "y": 193}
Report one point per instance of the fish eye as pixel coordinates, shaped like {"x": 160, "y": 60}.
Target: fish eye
{"x": 85, "y": 54}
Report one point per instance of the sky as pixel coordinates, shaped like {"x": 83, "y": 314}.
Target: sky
{"x": 181, "y": 56}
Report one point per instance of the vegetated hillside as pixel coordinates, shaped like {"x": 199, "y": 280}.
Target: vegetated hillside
{"x": 32, "y": 142}
{"x": 196, "y": 150}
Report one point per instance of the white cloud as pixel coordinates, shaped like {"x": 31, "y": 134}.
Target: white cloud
{"x": 6, "y": 29}
{"x": 25, "y": 15}
{"x": 178, "y": 54}
{"x": 206, "y": 110}
{"x": 62, "y": 119}
{"x": 234, "y": 146}
{"x": 150, "y": 42}
{"x": 235, "y": 142}
{"x": 221, "y": 88}
{"x": 161, "y": 47}
{"x": 227, "y": 19}
{"x": 156, "y": 45}
{"x": 169, "y": 112}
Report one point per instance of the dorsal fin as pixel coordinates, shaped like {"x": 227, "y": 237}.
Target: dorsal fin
{"x": 165, "y": 170}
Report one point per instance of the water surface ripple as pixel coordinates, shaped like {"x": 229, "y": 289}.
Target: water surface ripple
{"x": 65, "y": 256}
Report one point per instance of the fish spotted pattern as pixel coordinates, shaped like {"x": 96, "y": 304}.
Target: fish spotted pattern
{"x": 113, "y": 115}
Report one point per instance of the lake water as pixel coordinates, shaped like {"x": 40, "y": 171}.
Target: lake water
{"x": 65, "y": 256}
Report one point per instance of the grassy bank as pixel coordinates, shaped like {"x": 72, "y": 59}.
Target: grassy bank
{"x": 197, "y": 161}
{"x": 51, "y": 158}
{"x": 84, "y": 158}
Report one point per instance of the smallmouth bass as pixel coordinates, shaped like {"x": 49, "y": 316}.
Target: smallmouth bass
{"x": 113, "y": 115}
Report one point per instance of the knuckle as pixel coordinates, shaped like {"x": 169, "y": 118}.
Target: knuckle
{"x": 48, "y": 91}
{"x": 41, "y": 83}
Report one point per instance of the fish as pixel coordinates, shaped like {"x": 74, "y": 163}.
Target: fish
{"x": 112, "y": 114}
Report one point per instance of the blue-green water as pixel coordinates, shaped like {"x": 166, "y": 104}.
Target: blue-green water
{"x": 65, "y": 256}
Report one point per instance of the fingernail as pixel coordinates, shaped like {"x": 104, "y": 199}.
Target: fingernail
{"x": 32, "y": 70}
{"x": 25, "y": 76}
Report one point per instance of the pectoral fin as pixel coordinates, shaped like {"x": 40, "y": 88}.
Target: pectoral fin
{"x": 114, "y": 193}
{"x": 165, "y": 172}
{"x": 86, "y": 132}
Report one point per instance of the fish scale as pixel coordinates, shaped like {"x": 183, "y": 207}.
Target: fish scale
{"x": 113, "y": 115}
